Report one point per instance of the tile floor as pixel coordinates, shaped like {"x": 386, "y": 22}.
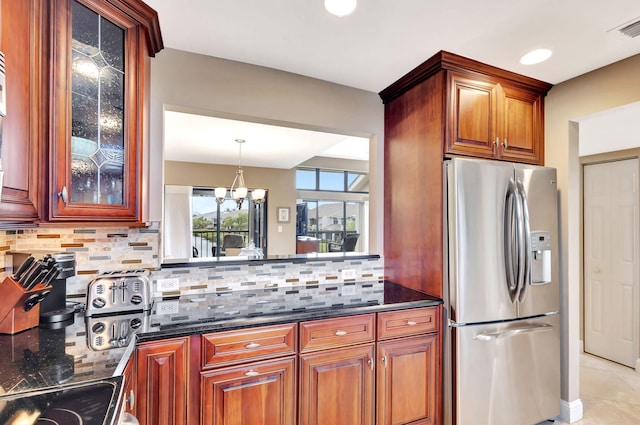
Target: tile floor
{"x": 610, "y": 393}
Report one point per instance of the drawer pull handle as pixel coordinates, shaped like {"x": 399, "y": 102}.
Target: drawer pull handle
{"x": 252, "y": 345}
{"x": 411, "y": 323}
{"x": 252, "y": 373}
{"x": 340, "y": 333}
{"x": 384, "y": 361}
{"x": 370, "y": 361}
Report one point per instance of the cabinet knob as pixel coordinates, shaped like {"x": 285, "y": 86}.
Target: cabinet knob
{"x": 384, "y": 361}
{"x": 411, "y": 323}
{"x": 370, "y": 361}
{"x": 496, "y": 142}
{"x": 64, "y": 195}
{"x": 252, "y": 373}
{"x": 131, "y": 400}
{"x": 252, "y": 345}
{"x": 340, "y": 333}
{"x": 505, "y": 144}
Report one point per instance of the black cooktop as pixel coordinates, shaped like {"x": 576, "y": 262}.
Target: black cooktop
{"x": 92, "y": 403}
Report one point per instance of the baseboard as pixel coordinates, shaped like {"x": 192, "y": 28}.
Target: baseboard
{"x": 571, "y": 412}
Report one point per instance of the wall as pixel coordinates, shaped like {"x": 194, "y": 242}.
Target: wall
{"x": 202, "y": 84}
{"x": 612, "y": 86}
{"x": 281, "y": 185}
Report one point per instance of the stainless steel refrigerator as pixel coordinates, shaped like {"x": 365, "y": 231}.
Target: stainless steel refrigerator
{"x": 502, "y": 293}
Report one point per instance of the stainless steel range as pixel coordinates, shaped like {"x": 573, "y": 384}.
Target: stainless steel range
{"x": 118, "y": 292}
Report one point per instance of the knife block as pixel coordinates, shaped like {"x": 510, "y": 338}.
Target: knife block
{"x": 13, "y": 317}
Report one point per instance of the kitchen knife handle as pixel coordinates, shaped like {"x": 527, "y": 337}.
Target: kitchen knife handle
{"x": 26, "y": 277}
{"x": 23, "y": 268}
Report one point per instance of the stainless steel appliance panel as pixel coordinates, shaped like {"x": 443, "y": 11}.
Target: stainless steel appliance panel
{"x": 540, "y": 186}
{"x": 476, "y": 196}
{"x": 509, "y": 373}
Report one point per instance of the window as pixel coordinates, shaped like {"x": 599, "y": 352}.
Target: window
{"x": 333, "y": 208}
{"x": 339, "y": 225}
{"x": 211, "y": 222}
{"x": 319, "y": 179}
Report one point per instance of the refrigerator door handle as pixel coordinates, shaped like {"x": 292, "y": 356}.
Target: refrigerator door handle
{"x": 489, "y": 336}
{"x": 519, "y": 238}
{"x": 525, "y": 244}
{"x": 510, "y": 243}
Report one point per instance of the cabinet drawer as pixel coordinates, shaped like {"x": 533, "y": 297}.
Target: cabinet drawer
{"x": 415, "y": 321}
{"x": 229, "y": 347}
{"x": 329, "y": 333}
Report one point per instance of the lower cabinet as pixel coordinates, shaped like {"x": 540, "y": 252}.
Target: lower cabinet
{"x": 381, "y": 368}
{"x": 407, "y": 381}
{"x": 337, "y": 386}
{"x": 255, "y": 393}
{"x": 162, "y": 381}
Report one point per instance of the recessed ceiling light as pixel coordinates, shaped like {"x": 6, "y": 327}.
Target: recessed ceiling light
{"x": 535, "y": 56}
{"x": 340, "y": 8}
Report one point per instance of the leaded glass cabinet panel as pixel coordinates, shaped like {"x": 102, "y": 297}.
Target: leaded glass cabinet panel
{"x": 97, "y": 108}
{"x": 100, "y": 68}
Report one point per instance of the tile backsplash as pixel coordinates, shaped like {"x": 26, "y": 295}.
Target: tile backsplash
{"x": 101, "y": 249}
{"x": 97, "y": 249}
{"x": 267, "y": 275}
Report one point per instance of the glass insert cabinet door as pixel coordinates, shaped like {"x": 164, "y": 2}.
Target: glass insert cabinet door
{"x": 100, "y": 69}
{"x": 97, "y": 109}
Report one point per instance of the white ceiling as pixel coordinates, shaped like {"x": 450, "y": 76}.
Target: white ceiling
{"x": 384, "y": 39}
{"x": 191, "y": 138}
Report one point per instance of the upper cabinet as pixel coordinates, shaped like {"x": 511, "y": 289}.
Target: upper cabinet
{"x": 100, "y": 85}
{"x": 489, "y": 112}
{"x": 24, "y": 126}
{"x": 77, "y": 93}
{"x": 492, "y": 119}
{"x": 449, "y": 105}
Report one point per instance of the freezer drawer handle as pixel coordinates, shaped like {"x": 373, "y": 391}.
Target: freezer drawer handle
{"x": 488, "y": 336}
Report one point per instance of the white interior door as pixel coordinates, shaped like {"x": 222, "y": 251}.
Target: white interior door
{"x": 611, "y": 259}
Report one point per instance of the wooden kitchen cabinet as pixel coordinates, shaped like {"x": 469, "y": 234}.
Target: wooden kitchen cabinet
{"x": 449, "y": 105}
{"x": 337, "y": 386}
{"x": 24, "y": 127}
{"x": 163, "y": 371}
{"x": 57, "y": 138}
{"x": 318, "y": 372}
{"x": 407, "y": 381}
{"x": 408, "y": 357}
{"x": 490, "y": 119}
{"x": 255, "y": 393}
{"x": 100, "y": 76}
{"x": 249, "y": 376}
{"x": 337, "y": 371}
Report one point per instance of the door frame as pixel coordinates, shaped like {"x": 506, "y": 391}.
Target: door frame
{"x": 622, "y": 155}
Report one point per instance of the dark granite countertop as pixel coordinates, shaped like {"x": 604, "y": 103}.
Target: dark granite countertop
{"x": 43, "y": 358}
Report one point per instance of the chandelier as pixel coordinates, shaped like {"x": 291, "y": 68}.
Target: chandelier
{"x": 239, "y": 189}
